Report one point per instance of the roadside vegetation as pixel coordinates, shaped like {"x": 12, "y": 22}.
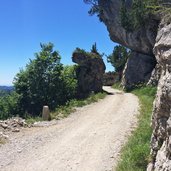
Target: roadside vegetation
{"x": 64, "y": 110}
{"x": 135, "y": 153}
{"x": 118, "y": 59}
{"x": 45, "y": 81}
{"x": 117, "y": 86}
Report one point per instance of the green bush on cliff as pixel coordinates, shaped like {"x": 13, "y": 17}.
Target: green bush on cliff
{"x": 95, "y": 9}
{"x": 138, "y": 14}
{"x": 92, "y": 54}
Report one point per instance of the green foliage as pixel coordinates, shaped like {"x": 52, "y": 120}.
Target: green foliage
{"x": 93, "y": 54}
{"x": 69, "y": 82}
{"x": 94, "y": 49}
{"x": 139, "y": 13}
{"x": 32, "y": 120}
{"x": 117, "y": 86}
{"x": 118, "y": 58}
{"x": 43, "y": 82}
{"x": 135, "y": 154}
{"x": 95, "y": 9}
{"x": 9, "y": 105}
{"x": 4, "y": 93}
{"x": 5, "y": 90}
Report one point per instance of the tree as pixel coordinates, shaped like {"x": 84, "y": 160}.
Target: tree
{"x": 69, "y": 82}
{"x": 118, "y": 58}
{"x": 95, "y": 9}
{"x": 94, "y": 49}
{"x": 41, "y": 82}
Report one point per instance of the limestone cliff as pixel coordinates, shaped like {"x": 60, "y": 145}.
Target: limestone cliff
{"x": 148, "y": 41}
{"x": 141, "y": 41}
{"x": 161, "y": 118}
{"x": 137, "y": 70}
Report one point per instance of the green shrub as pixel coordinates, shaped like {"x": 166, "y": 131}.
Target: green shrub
{"x": 44, "y": 82}
{"x": 87, "y": 54}
{"x": 9, "y": 105}
{"x": 138, "y": 14}
{"x": 119, "y": 58}
{"x": 69, "y": 82}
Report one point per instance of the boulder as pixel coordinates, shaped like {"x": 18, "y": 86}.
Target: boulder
{"x": 89, "y": 72}
{"x": 137, "y": 70}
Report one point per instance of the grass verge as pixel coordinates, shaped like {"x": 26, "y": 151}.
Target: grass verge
{"x": 117, "y": 86}
{"x": 31, "y": 120}
{"x": 135, "y": 154}
{"x": 64, "y": 111}
{"x": 69, "y": 107}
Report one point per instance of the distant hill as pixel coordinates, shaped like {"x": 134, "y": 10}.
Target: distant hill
{"x": 8, "y": 88}
{"x": 5, "y": 90}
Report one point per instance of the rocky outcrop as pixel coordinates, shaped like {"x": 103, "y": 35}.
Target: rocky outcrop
{"x": 137, "y": 70}
{"x": 89, "y": 72}
{"x": 161, "y": 119}
{"x": 141, "y": 40}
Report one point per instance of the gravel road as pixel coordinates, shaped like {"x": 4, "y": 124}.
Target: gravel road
{"x": 88, "y": 140}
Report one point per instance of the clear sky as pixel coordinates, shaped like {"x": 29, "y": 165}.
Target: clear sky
{"x": 65, "y": 23}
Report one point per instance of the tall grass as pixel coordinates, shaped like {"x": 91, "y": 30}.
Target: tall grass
{"x": 135, "y": 154}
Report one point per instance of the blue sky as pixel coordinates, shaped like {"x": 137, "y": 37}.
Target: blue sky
{"x": 65, "y": 23}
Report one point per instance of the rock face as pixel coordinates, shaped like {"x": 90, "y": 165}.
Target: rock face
{"x": 141, "y": 40}
{"x": 89, "y": 73}
{"x": 137, "y": 70}
{"x": 161, "y": 119}
{"x": 155, "y": 76}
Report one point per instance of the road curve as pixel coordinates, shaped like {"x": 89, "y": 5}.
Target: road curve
{"x": 88, "y": 140}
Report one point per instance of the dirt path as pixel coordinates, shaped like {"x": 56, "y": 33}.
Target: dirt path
{"x": 88, "y": 140}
